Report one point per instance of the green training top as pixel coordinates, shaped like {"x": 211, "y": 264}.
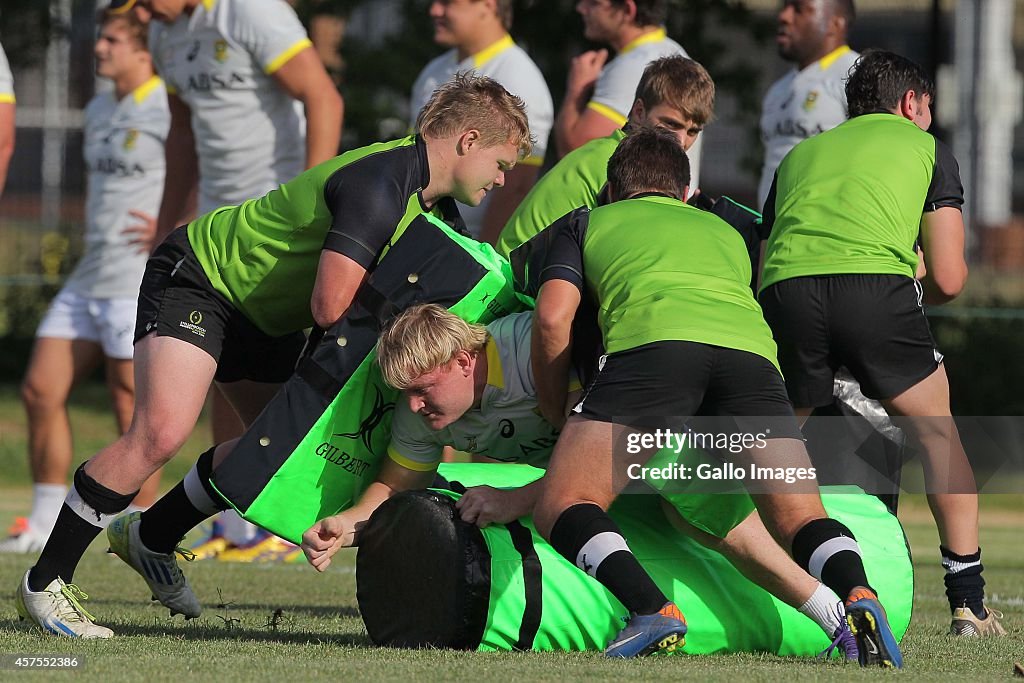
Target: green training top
{"x": 850, "y": 200}
{"x": 662, "y": 270}
{"x": 262, "y": 255}
{"x": 574, "y": 181}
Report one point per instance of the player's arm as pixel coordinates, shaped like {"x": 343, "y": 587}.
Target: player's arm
{"x": 338, "y": 278}
{"x": 7, "y": 131}
{"x": 365, "y": 210}
{"x": 551, "y": 346}
{"x": 304, "y": 78}
{"x": 505, "y": 199}
{"x": 577, "y": 122}
{"x": 558, "y": 299}
{"x": 942, "y": 240}
{"x": 942, "y": 230}
{"x": 331, "y": 534}
{"x": 767, "y": 223}
{"x": 182, "y": 177}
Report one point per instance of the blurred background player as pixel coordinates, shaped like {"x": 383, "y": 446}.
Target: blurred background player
{"x": 599, "y": 92}
{"x": 839, "y": 289}
{"x": 477, "y": 31}
{"x": 251, "y": 108}
{"x": 6, "y": 118}
{"x": 92, "y": 319}
{"x": 811, "y": 97}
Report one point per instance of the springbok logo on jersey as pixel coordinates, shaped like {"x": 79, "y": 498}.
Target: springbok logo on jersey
{"x": 220, "y": 51}
{"x": 811, "y": 101}
{"x": 131, "y": 137}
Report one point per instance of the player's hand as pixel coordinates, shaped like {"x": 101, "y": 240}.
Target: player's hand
{"x": 486, "y": 505}
{"x": 322, "y": 540}
{"x": 141, "y": 234}
{"x": 585, "y": 69}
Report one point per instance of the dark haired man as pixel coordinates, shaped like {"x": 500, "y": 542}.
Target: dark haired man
{"x": 846, "y": 211}
{"x": 684, "y": 337}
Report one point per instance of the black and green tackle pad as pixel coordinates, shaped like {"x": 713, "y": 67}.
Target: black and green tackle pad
{"x": 320, "y": 441}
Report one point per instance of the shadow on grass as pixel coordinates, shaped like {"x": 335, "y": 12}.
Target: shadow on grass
{"x": 237, "y": 632}
{"x": 208, "y": 632}
{"x": 316, "y": 611}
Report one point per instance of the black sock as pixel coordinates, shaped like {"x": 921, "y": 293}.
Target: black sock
{"x": 75, "y": 529}
{"x": 828, "y": 551}
{"x": 608, "y": 559}
{"x": 166, "y": 523}
{"x": 965, "y": 586}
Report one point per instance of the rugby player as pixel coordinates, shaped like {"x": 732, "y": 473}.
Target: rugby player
{"x": 472, "y": 388}
{"x": 251, "y": 108}
{"x": 477, "y": 31}
{"x": 846, "y": 211}
{"x": 674, "y": 93}
{"x": 226, "y": 298}
{"x": 683, "y": 337}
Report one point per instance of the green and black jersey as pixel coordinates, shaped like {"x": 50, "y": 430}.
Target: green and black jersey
{"x": 661, "y": 270}
{"x": 850, "y": 200}
{"x": 574, "y": 181}
{"x": 263, "y": 254}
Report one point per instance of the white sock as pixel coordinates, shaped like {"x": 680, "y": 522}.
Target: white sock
{"x": 236, "y": 529}
{"x": 822, "y": 608}
{"x": 46, "y": 502}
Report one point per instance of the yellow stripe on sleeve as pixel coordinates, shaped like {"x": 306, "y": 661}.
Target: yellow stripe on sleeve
{"x": 413, "y": 465}
{"x": 285, "y": 56}
{"x": 6, "y": 98}
{"x": 607, "y": 112}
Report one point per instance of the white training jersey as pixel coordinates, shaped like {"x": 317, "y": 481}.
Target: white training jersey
{"x": 615, "y": 90}
{"x": 507, "y": 425}
{"x": 801, "y": 104}
{"x": 124, "y": 157}
{"x": 249, "y": 133}
{"x": 509, "y": 65}
{"x": 6, "y": 79}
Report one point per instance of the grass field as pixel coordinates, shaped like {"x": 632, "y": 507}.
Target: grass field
{"x": 319, "y": 636}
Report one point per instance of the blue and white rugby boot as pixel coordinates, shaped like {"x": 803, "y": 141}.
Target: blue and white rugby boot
{"x": 646, "y": 634}
{"x": 876, "y": 644}
{"x": 57, "y": 610}
{"x": 160, "y": 570}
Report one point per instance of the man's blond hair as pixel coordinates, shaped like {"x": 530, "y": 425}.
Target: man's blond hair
{"x": 682, "y": 84}
{"x": 422, "y": 339}
{"x": 475, "y": 102}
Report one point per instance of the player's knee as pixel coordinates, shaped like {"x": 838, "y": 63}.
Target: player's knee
{"x": 39, "y": 397}
{"x": 156, "y": 443}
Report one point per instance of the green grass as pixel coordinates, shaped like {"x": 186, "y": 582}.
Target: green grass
{"x": 319, "y": 635}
